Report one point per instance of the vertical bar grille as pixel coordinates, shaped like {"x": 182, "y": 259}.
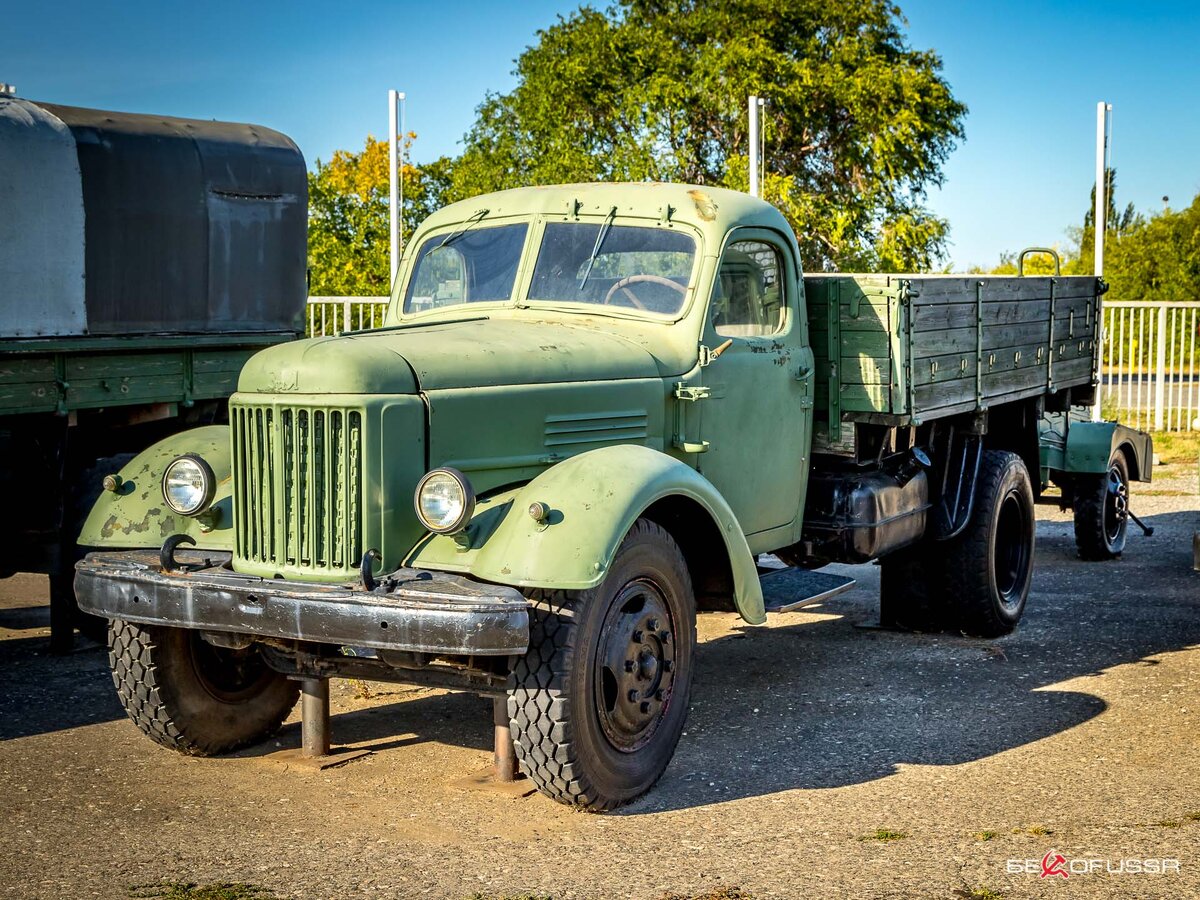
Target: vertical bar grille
{"x": 298, "y": 487}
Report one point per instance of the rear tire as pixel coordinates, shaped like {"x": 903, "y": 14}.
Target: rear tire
{"x": 989, "y": 567}
{"x": 1100, "y": 502}
{"x": 598, "y": 702}
{"x": 911, "y": 595}
{"x": 186, "y": 694}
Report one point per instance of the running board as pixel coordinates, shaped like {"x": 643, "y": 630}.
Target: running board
{"x": 787, "y": 589}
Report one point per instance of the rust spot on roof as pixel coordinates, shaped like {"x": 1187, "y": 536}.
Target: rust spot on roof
{"x": 706, "y": 209}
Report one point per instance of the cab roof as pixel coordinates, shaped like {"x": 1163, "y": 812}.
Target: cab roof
{"x": 711, "y": 210}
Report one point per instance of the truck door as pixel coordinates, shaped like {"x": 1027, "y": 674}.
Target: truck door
{"x": 757, "y": 418}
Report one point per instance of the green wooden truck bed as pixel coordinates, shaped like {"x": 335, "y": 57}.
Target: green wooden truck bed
{"x": 907, "y": 349}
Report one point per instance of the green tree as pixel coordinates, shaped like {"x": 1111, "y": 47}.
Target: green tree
{"x": 348, "y": 227}
{"x": 1157, "y": 259}
{"x": 857, "y": 124}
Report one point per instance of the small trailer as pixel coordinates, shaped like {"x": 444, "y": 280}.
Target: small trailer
{"x": 143, "y": 260}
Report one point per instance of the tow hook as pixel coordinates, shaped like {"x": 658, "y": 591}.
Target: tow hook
{"x": 366, "y": 567}
{"x": 166, "y": 556}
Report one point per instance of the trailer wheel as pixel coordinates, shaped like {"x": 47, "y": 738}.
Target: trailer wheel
{"x": 989, "y": 567}
{"x": 186, "y": 694}
{"x": 598, "y": 702}
{"x": 1101, "y": 503}
{"x": 86, "y": 488}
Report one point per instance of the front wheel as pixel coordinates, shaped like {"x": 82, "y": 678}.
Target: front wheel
{"x": 598, "y": 702}
{"x": 1102, "y": 510}
{"x": 191, "y": 696}
{"x": 989, "y": 567}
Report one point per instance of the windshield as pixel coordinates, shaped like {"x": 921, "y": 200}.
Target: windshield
{"x": 626, "y": 266}
{"x": 478, "y": 265}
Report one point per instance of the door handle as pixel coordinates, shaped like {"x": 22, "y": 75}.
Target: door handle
{"x": 805, "y": 373}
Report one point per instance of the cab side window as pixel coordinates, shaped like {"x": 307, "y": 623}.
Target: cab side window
{"x": 748, "y": 294}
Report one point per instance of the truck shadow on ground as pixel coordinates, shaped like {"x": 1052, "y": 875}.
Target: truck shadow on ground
{"x": 816, "y": 704}
{"x": 825, "y": 704}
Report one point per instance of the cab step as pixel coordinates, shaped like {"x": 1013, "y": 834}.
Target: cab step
{"x": 791, "y": 588}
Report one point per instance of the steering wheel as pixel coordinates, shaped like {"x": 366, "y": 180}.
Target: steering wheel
{"x": 623, "y": 287}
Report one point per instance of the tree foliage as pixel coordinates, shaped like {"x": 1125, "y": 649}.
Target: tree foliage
{"x": 856, "y": 127}
{"x": 348, "y": 222}
{"x": 1154, "y": 258}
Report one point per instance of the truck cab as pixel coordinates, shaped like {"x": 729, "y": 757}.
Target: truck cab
{"x": 590, "y": 410}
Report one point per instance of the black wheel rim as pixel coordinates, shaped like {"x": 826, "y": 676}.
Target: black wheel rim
{"x": 1116, "y": 505}
{"x": 231, "y": 676}
{"x": 635, "y": 665}
{"x": 1011, "y": 562}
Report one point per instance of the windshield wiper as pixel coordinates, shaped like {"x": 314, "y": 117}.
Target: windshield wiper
{"x": 475, "y": 219}
{"x": 612, "y": 214}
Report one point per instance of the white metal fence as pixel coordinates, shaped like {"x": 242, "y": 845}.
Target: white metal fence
{"x": 335, "y": 315}
{"x": 1148, "y": 376}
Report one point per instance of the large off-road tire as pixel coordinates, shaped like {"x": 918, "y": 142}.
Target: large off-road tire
{"x": 598, "y": 702}
{"x": 193, "y": 697}
{"x": 1100, "y": 503}
{"x": 911, "y": 593}
{"x": 989, "y": 567}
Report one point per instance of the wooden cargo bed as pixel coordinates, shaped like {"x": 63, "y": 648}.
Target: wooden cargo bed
{"x": 906, "y": 349}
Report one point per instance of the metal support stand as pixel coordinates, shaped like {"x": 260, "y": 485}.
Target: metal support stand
{"x": 315, "y": 751}
{"x": 503, "y": 755}
{"x": 314, "y": 717}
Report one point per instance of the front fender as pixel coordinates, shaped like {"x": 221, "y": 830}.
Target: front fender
{"x": 135, "y": 515}
{"x": 1090, "y": 445}
{"x": 594, "y": 499}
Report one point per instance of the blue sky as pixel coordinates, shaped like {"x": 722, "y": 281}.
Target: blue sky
{"x": 1031, "y": 74}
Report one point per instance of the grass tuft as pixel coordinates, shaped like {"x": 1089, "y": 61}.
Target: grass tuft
{"x": 220, "y": 890}
{"x": 978, "y": 893}
{"x": 986, "y": 835}
{"x": 884, "y": 834}
{"x": 722, "y": 893}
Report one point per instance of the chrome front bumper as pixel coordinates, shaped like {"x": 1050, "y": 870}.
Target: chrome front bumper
{"x": 411, "y": 609}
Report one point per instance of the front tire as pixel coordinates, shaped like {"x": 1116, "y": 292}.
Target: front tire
{"x": 191, "y": 696}
{"x": 1101, "y": 502}
{"x": 598, "y": 702}
{"x": 989, "y": 567}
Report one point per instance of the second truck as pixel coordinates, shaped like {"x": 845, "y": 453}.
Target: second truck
{"x": 592, "y": 408}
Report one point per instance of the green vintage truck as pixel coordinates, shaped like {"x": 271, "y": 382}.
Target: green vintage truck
{"x": 592, "y": 409}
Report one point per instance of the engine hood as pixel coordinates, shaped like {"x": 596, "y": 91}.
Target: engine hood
{"x": 437, "y": 356}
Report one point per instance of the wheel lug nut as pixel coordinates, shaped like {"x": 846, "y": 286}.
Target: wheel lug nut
{"x": 633, "y": 695}
{"x": 665, "y": 637}
{"x": 629, "y": 664}
{"x": 652, "y": 624}
{"x": 637, "y": 636}
{"x": 668, "y": 665}
{"x": 645, "y": 707}
{"x": 659, "y": 695}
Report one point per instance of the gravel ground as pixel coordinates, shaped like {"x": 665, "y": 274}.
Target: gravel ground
{"x": 806, "y": 739}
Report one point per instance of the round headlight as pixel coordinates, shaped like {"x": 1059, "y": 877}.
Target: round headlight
{"x": 188, "y": 485}
{"x": 445, "y": 501}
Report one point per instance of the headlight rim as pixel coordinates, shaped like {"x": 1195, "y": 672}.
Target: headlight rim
{"x": 468, "y": 500}
{"x": 210, "y": 485}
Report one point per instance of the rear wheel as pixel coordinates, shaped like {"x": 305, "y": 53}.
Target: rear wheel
{"x": 989, "y": 567}
{"x": 911, "y": 594}
{"x": 86, "y": 490}
{"x": 598, "y": 703}
{"x": 1101, "y": 510}
{"x": 191, "y": 696}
